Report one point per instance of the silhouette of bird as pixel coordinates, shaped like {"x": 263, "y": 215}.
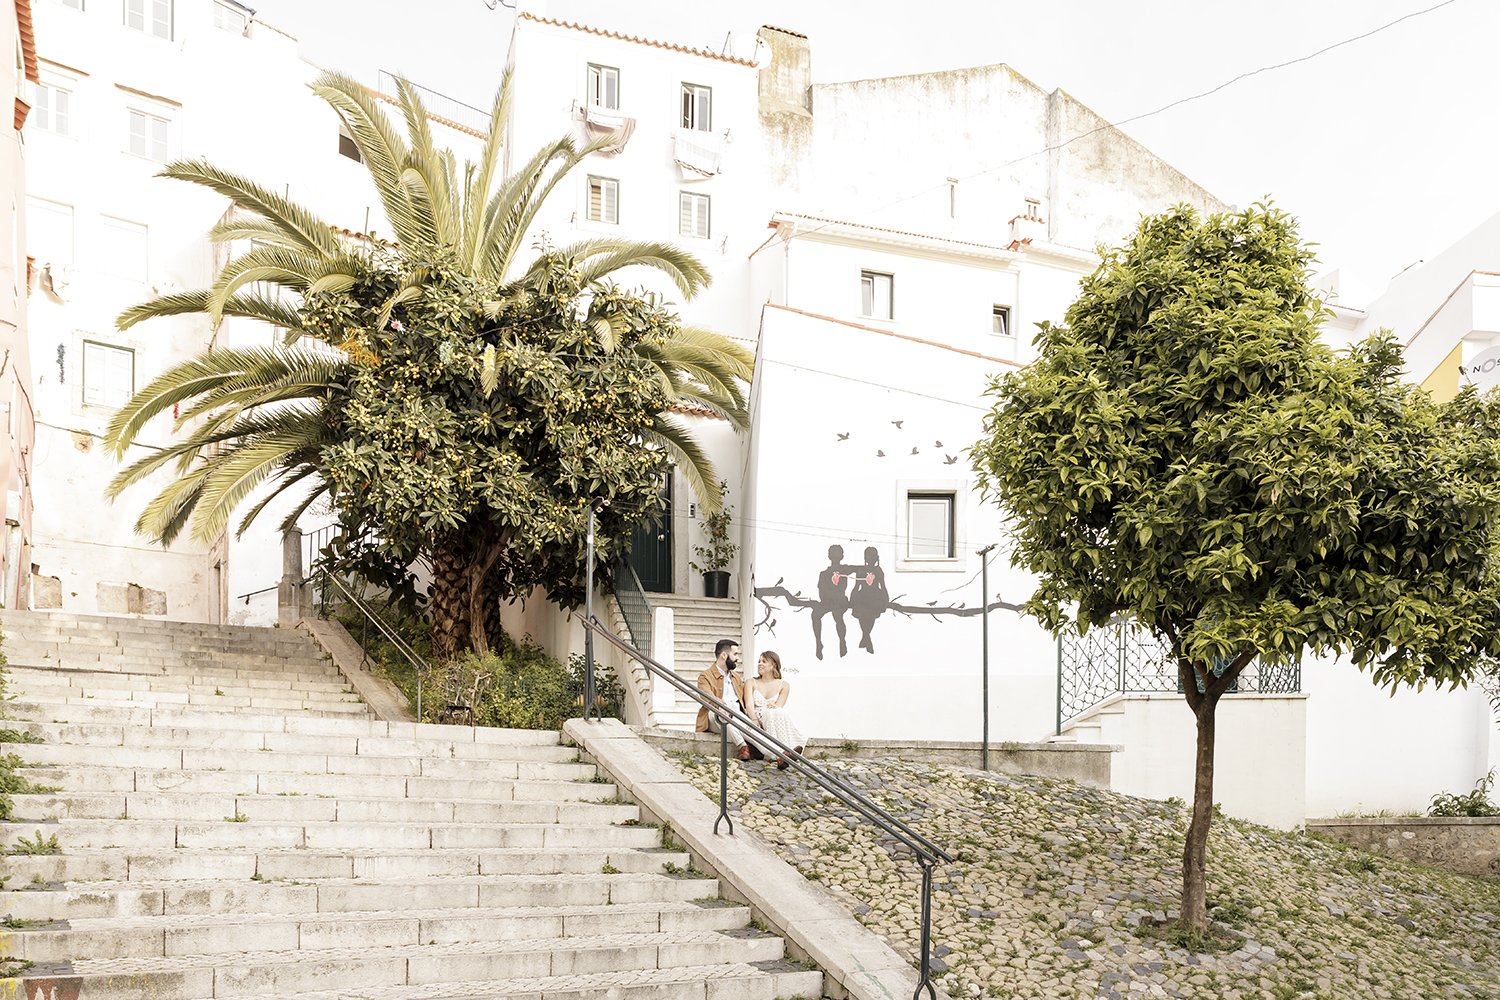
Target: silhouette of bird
{"x": 937, "y": 444}
{"x": 844, "y": 436}
{"x": 949, "y": 459}
{"x": 914, "y": 450}
{"x": 879, "y": 453}
{"x": 779, "y": 581}
{"x": 898, "y": 423}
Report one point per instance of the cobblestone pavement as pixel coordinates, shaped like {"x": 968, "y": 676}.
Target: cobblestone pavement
{"x": 1057, "y": 889}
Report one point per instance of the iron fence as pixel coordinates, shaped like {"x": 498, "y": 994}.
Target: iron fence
{"x": 634, "y": 605}
{"x": 1125, "y": 658}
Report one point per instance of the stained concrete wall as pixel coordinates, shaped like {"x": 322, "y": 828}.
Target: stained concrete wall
{"x": 1467, "y": 845}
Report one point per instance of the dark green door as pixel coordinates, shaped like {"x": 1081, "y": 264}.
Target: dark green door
{"x": 651, "y": 546}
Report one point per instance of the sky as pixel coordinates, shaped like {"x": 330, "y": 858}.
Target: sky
{"x": 1387, "y": 149}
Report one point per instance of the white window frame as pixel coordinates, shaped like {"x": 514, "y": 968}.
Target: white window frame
{"x": 61, "y": 211}
{"x": 609, "y": 200}
{"x": 599, "y": 78}
{"x": 73, "y": 4}
{"x": 148, "y": 13}
{"x": 918, "y": 489}
{"x": 1006, "y": 331}
{"x": 694, "y": 215}
{"x": 100, "y": 367}
{"x": 241, "y": 23}
{"x": 44, "y": 101}
{"x": 151, "y": 143}
{"x": 697, "y": 107}
{"x": 141, "y": 277}
{"x": 869, "y": 285}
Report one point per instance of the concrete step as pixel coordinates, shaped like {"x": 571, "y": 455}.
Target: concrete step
{"x": 290, "y": 807}
{"x": 21, "y": 622}
{"x": 227, "y": 832}
{"x": 314, "y": 705}
{"x": 28, "y": 678}
{"x": 300, "y": 894}
{"x": 103, "y": 883}
{"x": 279, "y": 972}
{"x": 229, "y": 933}
{"x": 250, "y": 782}
{"x": 196, "y": 737}
{"x": 433, "y": 738}
{"x": 739, "y": 981}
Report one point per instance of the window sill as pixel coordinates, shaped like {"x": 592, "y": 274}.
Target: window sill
{"x": 955, "y": 565}
{"x": 876, "y": 319}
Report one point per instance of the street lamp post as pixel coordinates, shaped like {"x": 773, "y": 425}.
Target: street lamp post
{"x": 984, "y": 620}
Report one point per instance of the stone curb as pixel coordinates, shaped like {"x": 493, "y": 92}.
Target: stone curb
{"x": 385, "y": 700}
{"x": 855, "y": 961}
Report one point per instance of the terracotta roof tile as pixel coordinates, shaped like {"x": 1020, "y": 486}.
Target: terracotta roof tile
{"x": 28, "y": 39}
{"x": 694, "y": 411}
{"x": 672, "y": 46}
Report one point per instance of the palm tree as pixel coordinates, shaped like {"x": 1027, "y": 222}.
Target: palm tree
{"x": 252, "y": 416}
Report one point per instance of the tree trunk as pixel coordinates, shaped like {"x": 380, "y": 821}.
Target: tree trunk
{"x": 450, "y": 619}
{"x": 479, "y": 641}
{"x": 1194, "y": 854}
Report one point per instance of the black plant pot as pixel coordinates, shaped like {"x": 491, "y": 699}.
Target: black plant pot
{"x": 716, "y": 584}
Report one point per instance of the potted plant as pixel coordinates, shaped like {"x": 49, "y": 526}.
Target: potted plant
{"x": 714, "y": 557}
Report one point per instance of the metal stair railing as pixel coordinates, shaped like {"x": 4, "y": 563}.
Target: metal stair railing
{"x": 927, "y": 854}
{"x": 634, "y": 605}
{"x": 373, "y": 618}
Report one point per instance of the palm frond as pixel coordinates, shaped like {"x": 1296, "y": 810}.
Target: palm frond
{"x": 232, "y": 476}
{"x": 678, "y": 442}
{"x": 248, "y": 305}
{"x": 598, "y": 259}
{"x": 311, "y": 234}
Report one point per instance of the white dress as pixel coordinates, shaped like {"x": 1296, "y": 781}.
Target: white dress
{"x": 778, "y": 722}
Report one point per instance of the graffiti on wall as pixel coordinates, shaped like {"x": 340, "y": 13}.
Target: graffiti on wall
{"x": 848, "y": 590}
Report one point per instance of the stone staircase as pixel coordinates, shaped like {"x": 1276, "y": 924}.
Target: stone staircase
{"x": 699, "y": 623}
{"x": 275, "y": 840}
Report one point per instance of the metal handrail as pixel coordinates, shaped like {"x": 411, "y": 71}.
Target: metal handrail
{"x": 927, "y": 853}
{"x": 373, "y": 617}
{"x": 625, "y": 573}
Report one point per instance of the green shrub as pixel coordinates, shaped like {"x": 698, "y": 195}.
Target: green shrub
{"x": 1475, "y": 803}
{"x": 520, "y": 687}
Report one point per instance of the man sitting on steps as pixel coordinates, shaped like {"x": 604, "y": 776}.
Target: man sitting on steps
{"x": 711, "y": 682}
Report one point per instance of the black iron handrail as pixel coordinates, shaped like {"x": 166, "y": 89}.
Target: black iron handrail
{"x": 927, "y": 854}
{"x": 373, "y": 617}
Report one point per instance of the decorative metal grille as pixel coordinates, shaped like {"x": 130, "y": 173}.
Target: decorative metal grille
{"x": 1124, "y": 658}
{"x": 634, "y": 605}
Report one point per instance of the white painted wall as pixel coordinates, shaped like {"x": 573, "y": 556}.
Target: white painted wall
{"x": 1260, "y": 760}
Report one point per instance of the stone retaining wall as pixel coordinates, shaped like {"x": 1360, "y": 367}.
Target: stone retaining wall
{"x": 1469, "y": 846}
{"x": 1086, "y": 763}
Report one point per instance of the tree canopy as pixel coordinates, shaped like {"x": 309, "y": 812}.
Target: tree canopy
{"x": 1187, "y": 452}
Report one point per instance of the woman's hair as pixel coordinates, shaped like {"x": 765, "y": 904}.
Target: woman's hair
{"x": 775, "y": 662}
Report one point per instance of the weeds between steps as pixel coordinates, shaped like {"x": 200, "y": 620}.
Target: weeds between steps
{"x": 12, "y": 783}
{"x": 38, "y": 846}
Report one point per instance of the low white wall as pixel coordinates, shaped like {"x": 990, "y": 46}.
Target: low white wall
{"x": 1260, "y": 759}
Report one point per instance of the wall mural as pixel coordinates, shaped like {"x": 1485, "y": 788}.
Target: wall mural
{"x": 858, "y": 591}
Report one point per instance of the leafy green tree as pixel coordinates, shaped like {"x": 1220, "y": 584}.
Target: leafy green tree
{"x": 249, "y": 417}
{"x": 1187, "y": 453}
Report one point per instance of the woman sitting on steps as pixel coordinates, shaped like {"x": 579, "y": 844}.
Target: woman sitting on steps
{"x": 767, "y": 707}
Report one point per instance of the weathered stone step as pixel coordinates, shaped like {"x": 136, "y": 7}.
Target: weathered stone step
{"x": 24, "y": 621}
{"x": 268, "y": 760}
{"x": 101, "y": 735}
{"x": 275, "y": 973}
{"x": 172, "y": 699}
{"x": 144, "y": 883}
{"x": 740, "y": 981}
{"x": 289, "y": 807}
{"x": 251, "y": 782}
{"x": 230, "y": 933}
{"x": 432, "y": 738}
{"x": 24, "y": 679}
{"x": 231, "y": 833}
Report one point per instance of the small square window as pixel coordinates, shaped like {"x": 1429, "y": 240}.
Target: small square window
{"x": 122, "y": 249}
{"x": 692, "y": 214}
{"x": 154, "y": 17}
{"x": 604, "y": 87}
{"x": 347, "y": 145}
{"x": 604, "y": 200}
{"x": 149, "y": 135}
{"x": 75, "y": 4}
{"x": 108, "y": 374}
{"x": 228, "y": 17}
{"x": 697, "y": 107}
{"x": 876, "y": 295}
{"x": 1000, "y": 321}
{"x": 51, "y": 108}
{"x": 929, "y": 525}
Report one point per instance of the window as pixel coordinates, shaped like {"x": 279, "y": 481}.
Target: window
{"x": 875, "y": 291}
{"x": 148, "y": 135}
{"x": 929, "y": 525}
{"x": 692, "y": 211}
{"x": 52, "y": 108}
{"x": 347, "y": 146}
{"x": 230, "y": 18}
{"x": 108, "y": 374}
{"x": 122, "y": 249}
{"x": 1000, "y": 321}
{"x": 604, "y": 87}
{"x": 697, "y": 102}
{"x": 49, "y": 231}
{"x": 154, "y": 17}
{"x": 604, "y": 200}
{"x": 75, "y": 4}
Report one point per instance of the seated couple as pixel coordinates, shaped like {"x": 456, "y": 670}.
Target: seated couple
{"x": 762, "y": 698}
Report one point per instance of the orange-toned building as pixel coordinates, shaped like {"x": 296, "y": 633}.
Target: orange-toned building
{"x": 17, "y": 415}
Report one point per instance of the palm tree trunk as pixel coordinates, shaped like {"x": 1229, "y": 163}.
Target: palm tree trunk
{"x": 450, "y": 618}
{"x": 479, "y": 571}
